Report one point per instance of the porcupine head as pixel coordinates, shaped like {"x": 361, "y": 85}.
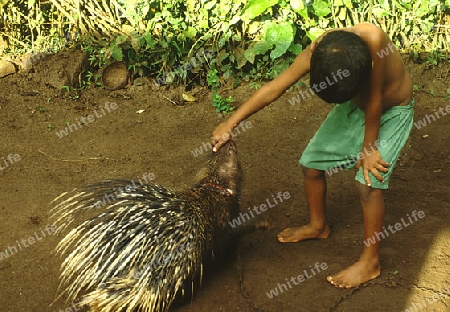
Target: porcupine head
{"x": 218, "y": 186}
{"x": 223, "y": 170}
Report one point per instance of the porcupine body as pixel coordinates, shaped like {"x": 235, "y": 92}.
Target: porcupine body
{"x": 146, "y": 247}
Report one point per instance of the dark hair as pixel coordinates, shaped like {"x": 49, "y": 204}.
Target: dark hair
{"x": 340, "y": 51}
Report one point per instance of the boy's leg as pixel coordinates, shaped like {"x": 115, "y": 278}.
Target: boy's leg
{"x": 368, "y": 265}
{"x": 316, "y": 188}
{"x": 323, "y": 152}
{"x": 396, "y": 124}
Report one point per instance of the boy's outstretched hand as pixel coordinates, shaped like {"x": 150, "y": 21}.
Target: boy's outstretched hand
{"x": 372, "y": 163}
{"x": 220, "y": 136}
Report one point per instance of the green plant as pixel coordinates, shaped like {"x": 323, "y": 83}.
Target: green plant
{"x": 255, "y": 85}
{"x": 76, "y": 95}
{"x": 252, "y": 40}
{"x": 221, "y": 104}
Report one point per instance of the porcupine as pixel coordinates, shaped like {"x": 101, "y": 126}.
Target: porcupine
{"x": 147, "y": 247}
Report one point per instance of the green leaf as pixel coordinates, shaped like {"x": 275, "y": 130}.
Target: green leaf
{"x": 253, "y": 27}
{"x": 191, "y": 32}
{"x": 203, "y": 24}
{"x": 295, "y": 48}
{"x": 235, "y": 19}
{"x": 249, "y": 55}
{"x": 261, "y": 47}
{"x": 420, "y": 12}
{"x": 241, "y": 56}
{"x": 254, "y": 8}
{"x": 149, "y": 40}
{"x": 121, "y": 39}
{"x": 281, "y": 36}
{"x": 321, "y": 8}
{"x": 237, "y": 37}
{"x": 208, "y": 6}
{"x": 300, "y": 7}
{"x": 136, "y": 44}
{"x": 116, "y": 53}
{"x": 314, "y": 33}
{"x": 297, "y": 5}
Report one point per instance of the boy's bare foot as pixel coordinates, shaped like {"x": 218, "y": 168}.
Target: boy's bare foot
{"x": 293, "y": 235}
{"x": 360, "y": 272}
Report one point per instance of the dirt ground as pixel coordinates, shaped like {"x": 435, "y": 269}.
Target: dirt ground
{"x": 120, "y": 143}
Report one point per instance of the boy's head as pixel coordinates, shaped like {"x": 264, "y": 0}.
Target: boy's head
{"x": 339, "y": 51}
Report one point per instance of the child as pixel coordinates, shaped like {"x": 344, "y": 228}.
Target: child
{"x": 373, "y": 121}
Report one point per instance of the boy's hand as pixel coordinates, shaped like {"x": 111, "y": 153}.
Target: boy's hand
{"x": 372, "y": 163}
{"x": 220, "y": 136}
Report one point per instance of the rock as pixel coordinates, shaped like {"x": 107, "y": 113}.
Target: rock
{"x": 61, "y": 69}
{"x": 29, "y": 60}
{"x": 115, "y": 76}
{"x": 6, "y": 68}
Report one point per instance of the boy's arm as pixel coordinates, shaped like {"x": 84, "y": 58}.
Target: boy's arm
{"x": 372, "y": 162}
{"x": 264, "y": 96}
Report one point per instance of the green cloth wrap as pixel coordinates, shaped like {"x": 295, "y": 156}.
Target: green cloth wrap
{"x": 339, "y": 140}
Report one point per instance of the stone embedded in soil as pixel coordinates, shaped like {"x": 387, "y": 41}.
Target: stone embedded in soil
{"x": 115, "y": 76}
{"x": 6, "y": 68}
{"x": 62, "y": 69}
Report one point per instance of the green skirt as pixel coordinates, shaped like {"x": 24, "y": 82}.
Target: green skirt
{"x": 339, "y": 140}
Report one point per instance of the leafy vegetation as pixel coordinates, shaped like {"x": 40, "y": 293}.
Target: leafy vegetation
{"x": 251, "y": 39}
{"x": 221, "y": 104}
